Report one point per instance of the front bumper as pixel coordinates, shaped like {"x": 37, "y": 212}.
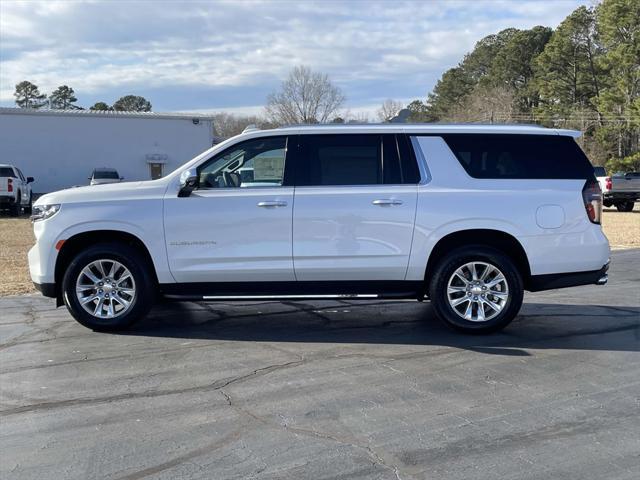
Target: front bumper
{"x": 552, "y": 281}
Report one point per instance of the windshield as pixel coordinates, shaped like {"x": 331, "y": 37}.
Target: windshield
{"x": 600, "y": 171}
{"x": 110, "y": 174}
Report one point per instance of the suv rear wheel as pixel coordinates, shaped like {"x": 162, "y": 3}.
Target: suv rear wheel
{"x": 476, "y": 289}
{"x": 106, "y": 287}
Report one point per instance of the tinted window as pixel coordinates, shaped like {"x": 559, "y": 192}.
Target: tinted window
{"x": 106, "y": 174}
{"x": 520, "y": 156}
{"x": 254, "y": 163}
{"x": 410, "y": 171}
{"x": 391, "y": 170}
{"x": 6, "y": 172}
{"x": 353, "y": 159}
{"x": 599, "y": 171}
{"x": 339, "y": 160}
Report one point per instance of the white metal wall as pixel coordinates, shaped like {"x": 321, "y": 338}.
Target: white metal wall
{"x": 60, "y": 151}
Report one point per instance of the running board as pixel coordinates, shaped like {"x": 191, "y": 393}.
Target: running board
{"x": 354, "y": 290}
{"x": 288, "y": 297}
{"x": 344, "y": 296}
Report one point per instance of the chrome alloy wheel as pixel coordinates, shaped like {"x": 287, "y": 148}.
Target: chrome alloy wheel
{"x": 477, "y": 291}
{"x": 105, "y": 288}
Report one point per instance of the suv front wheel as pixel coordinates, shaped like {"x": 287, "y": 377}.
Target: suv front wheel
{"x": 476, "y": 289}
{"x": 106, "y": 287}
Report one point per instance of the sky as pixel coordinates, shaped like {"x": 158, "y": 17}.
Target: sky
{"x": 210, "y": 56}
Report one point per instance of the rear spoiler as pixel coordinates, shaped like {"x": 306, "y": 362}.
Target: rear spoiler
{"x": 569, "y": 133}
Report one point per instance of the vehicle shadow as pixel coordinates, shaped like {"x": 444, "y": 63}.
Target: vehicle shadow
{"x": 539, "y": 326}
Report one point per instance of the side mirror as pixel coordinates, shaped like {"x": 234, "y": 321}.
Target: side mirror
{"x": 121, "y": 178}
{"x": 188, "y": 182}
{"x": 30, "y": 179}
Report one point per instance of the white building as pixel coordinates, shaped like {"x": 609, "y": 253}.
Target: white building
{"x": 60, "y": 148}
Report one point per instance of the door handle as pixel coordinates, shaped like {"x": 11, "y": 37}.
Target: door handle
{"x": 387, "y": 201}
{"x": 269, "y": 204}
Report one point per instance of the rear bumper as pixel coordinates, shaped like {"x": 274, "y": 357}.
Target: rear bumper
{"x": 552, "y": 281}
{"x": 631, "y": 196}
{"x": 7, "y": 200}
{"x": 47, "y": 289}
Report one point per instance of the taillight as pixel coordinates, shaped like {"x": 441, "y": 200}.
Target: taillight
{"x": 607, "y": 183}
{"x": 9, "y": 185}
{"x": 592, "y": 196}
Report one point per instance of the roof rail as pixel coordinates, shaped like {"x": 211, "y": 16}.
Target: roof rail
{"x": 250, "y": 128}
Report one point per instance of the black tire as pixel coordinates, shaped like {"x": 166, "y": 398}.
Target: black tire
{"x": 14, "y": 208}
{"x": 29, "y": 208}
{"x": 625, "y": 206}
{"x": 445, "y": 270}
{"x": 130, "y": 258}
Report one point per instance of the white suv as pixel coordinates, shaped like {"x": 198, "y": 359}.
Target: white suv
{"x": 466, "y": 216}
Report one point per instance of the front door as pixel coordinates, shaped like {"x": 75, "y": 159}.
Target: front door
{"x": 236, "y": 226}
{"x": 354, "y": 208}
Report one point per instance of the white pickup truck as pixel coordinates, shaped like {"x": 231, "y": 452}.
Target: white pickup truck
{"x": 621, "y": 190}
{"x": 15, "y": 190}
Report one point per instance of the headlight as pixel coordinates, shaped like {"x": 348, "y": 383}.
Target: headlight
{"x": 42, "y": 212}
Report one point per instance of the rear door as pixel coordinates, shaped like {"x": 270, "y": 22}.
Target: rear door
{"x": 25, "y": 188}
{"x": 354, "y": 209}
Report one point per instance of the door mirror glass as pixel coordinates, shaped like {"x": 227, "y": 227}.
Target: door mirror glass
{"x": 30, "y": 179}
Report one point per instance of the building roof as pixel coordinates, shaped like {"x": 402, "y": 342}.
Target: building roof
{"x": 103, "y": 113}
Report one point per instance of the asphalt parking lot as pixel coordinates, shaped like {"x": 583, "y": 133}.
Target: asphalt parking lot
{"x": 326, "y": 390}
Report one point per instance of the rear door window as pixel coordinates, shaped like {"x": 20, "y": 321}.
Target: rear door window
{"x": 520, "y": 156}
{"x": 353, "y": 159}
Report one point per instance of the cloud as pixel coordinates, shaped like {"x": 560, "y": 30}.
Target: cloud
{"x": 232, "y": 53}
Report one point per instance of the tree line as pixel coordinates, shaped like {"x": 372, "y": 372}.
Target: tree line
{"x": 28, "y": 95}
{"x": 583, "y": 75}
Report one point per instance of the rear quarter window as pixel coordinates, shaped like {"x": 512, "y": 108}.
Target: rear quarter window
{"x": 516, "y": 156}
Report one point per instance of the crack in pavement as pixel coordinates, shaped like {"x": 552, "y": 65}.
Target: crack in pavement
{"x": 217, "y": 385}
{"x": 211, "y": 447}
{"x": 313, "y": 433}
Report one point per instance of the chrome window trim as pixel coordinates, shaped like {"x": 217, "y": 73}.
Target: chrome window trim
{"x": 423, "y": 167}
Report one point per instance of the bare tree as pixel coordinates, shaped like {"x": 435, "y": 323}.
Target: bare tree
{"x": 389, "y": 109}
{"x": 486, "y": 105}
{"x": 228, "y": 125}
{"x": 304, "y": 97}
